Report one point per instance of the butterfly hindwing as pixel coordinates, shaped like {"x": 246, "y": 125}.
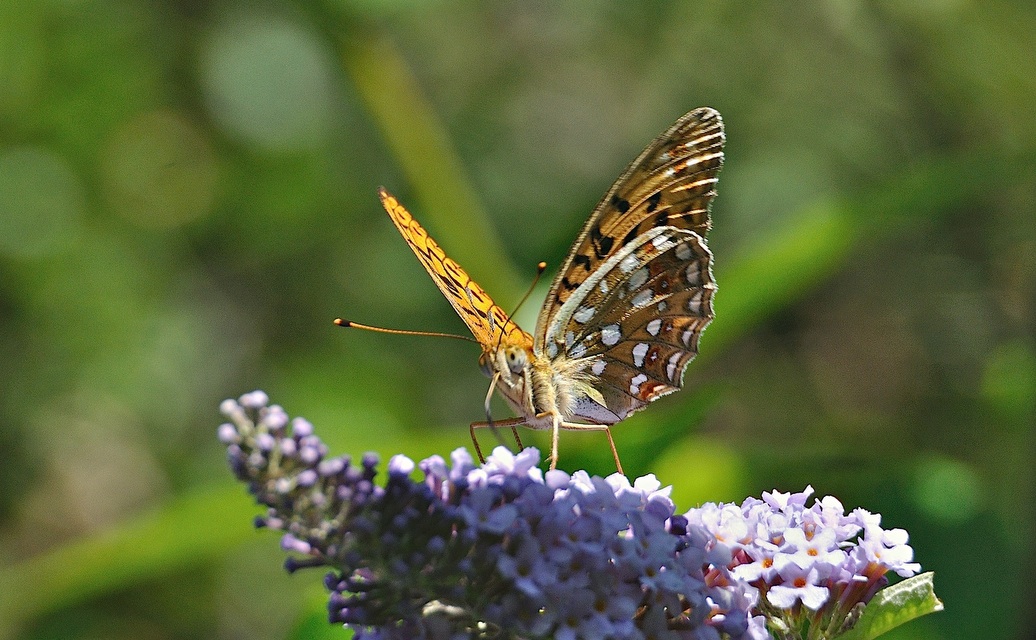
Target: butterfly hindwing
{"x": 637, "y": 320}
{"x": 489, "y": 324}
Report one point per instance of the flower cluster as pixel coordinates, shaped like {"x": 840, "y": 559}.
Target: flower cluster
{"x": 503, "y": 550}
{"x": 812, "y": 573}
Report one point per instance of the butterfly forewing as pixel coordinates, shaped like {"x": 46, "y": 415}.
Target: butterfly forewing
{"x": 670, "y": 184}
{"x": 490, "y": 324}
{"x": 636, "y": 290}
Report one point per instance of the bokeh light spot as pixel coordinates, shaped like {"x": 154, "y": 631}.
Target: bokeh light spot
{"x": 702, "y": 468}
{"x": 1009, "y": 381}
{"x": 159, "y": 171}
{"x": 947, "y": 490}
{"x": 41, "y": 202}
{"x": 267, "y": 80}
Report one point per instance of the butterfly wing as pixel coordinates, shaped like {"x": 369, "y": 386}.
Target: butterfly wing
{"x": 638, "y": 319}
{"x": 635, "y": 292}
{"x": 489, "y": 324}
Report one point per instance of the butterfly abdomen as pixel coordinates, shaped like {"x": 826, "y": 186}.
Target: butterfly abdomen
{"x": 550, "y": 393}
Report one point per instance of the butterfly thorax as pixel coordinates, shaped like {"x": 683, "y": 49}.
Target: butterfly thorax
{"x": 539, "y": 388}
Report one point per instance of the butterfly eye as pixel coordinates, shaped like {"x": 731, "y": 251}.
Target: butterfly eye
{"x": 485, "y": 365}
{"x": 515, "y": 360}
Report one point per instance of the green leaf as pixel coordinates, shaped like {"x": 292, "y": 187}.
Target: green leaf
{"x": 895, "y": 605}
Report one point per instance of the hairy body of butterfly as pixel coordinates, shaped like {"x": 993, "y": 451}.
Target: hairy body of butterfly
{"x": 625, "y": 312}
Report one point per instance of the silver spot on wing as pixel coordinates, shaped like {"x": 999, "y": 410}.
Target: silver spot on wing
{"x": 637, "y": 280}
{"x": 670, "y": 369}
{"x": 635, "y": 383}
{"x": 583, "y": 314}
{"x": 642, "y": 298}
{"x": 639, "y": 351}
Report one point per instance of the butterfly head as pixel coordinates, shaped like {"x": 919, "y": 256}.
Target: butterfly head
{"x": 510, "y": 367}
{"x": 506, "y": 360}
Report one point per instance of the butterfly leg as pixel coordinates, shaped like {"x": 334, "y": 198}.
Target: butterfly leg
{"x": 556, "y": 424}
{"x": 575, "y": 426}
{"x": 554, "y": 430}
{"x": 491, "y": 423}
{"x": 513, "y": 423}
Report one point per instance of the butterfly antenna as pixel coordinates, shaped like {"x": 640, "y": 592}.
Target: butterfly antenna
{"x": 540, "y": 268}
{"x": 403, "y": 332}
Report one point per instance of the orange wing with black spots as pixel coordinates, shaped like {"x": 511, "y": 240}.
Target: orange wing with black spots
{"x": 489, "y": 324}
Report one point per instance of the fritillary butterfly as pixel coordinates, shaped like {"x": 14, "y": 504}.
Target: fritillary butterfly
{"x": 626, "y": 309}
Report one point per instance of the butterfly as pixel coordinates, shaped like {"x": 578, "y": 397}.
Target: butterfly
{"x": 627, "y": 308}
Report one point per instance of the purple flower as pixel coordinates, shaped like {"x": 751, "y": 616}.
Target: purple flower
{"x": 887, "y": 550}
{"x": 798, "y": 584}
{"x": 503, "y": 550}
{"x": 805, "y": 561}
{"x": 808, "y": 552}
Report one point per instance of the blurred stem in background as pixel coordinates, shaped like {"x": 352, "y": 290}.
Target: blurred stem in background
{"x": 421, "y": 145}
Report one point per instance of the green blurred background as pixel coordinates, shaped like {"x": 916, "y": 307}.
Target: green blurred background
{"x": 187, "y": 199}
